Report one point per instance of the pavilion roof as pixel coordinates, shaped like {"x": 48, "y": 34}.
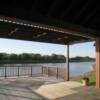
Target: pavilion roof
{"x": 50, "y": 21}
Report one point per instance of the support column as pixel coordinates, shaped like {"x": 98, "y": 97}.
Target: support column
{"x": 98, "y": 63}
{"x": 67, "y": 65}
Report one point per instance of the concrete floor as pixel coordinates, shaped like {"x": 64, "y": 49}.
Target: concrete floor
{"x": 23, "y": 88}
{"x": 69, "y": 91}
{"x": 45, "y": 89}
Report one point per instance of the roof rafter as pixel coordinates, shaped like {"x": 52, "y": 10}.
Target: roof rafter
{"x": 91, "y": 14}
{"x": 76, "y": 18}
{"x": 54, "y": 6}
{"x": 67, "y": 10}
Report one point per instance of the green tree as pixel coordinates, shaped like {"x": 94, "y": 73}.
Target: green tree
{"x": 25, "y": 56}
{"x": 4, "y": 56}
{"x": 13, "y": 57}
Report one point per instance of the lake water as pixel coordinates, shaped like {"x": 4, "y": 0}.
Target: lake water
{"x": 76, "y": 68}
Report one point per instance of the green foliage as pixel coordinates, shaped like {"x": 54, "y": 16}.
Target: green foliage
{"x": 4, "y": 56}
{"x": 13, "y": 57}
{"x": 92, "y": 80}
{"x": 85, "y": 78}
{"x": 54, "y": 58}
{"x": 81, "y": 59}
{"x": 32, "y": 57}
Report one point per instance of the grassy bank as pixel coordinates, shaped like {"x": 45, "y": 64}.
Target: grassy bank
{"x": 90, "y": 75}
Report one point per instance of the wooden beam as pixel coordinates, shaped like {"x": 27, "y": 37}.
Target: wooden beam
{"x": 82, "y": 10}
{"x": 35, "y": 5}
{"x": 54, "y": 6}
{"x": 69, "y": 7}
{"x": 98, "y": 63}
{"x": 77, "y": 31}
{"x": 91, "y": 14}
{"x": 79, "y": 41}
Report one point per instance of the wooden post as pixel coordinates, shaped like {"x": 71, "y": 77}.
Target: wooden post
{"x": 67, "y": 65}
{"x": 98, "y": 63}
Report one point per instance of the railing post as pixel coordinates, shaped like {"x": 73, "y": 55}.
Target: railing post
{"x": 18, "y": 71}
{"x": 48, "y": 71}
{"x": 57, "y": 72}
{"x": 31, "y": 71}
{"x": 42, "y": 70}
{"x": 5, "y": 72}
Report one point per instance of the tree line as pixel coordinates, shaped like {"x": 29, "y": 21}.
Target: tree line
{"x": 35, "y": 58}
{"x": 32, "y": 57}
{"x": 81, "y": 59}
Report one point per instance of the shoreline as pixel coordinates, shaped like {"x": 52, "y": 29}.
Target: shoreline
{"x": 38, "y": 62}
{"x": 88, "y": 74}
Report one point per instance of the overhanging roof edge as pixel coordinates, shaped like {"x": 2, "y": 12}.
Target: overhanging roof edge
{"x": 45, "y": 27}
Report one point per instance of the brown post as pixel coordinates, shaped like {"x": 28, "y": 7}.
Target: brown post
{"x": 57, "y": 73}
{"x": 67, "y": 65}
{"x": 48, "y": 71}
{"x": 42, "y": 70}
{"x": 18, "y": 70}
{"x": 31, "y": 71}
{"x": 5, "y": 72}
{"x": 98, "y": 63}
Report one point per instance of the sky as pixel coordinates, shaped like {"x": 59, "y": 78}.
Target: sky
{"x": 19, "y": 46}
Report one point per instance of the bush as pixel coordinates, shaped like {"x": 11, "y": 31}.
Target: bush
{"x": 85, "y": 78}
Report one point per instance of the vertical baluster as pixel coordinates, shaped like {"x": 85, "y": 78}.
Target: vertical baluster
{"x": 18, "y": 71}
{"x": 31, "y": 70}
{"x": 57, "y": 72}
{"x": 42, "y": 70}
{"x": 5, "y": 72}
{"x": 48, "y": 71}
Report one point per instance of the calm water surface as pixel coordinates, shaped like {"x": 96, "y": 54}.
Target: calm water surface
{"x": 76, "y": 68}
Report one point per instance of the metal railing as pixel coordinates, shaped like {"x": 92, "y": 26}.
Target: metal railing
{"x": 17, "y": 70}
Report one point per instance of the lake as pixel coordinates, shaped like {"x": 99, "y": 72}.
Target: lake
{"x": 76, "y": 68}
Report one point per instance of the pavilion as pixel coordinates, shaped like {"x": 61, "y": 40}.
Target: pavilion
{"x": 63, "y": 22}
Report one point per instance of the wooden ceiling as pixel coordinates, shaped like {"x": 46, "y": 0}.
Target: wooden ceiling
{"x": 79, "y": 18}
